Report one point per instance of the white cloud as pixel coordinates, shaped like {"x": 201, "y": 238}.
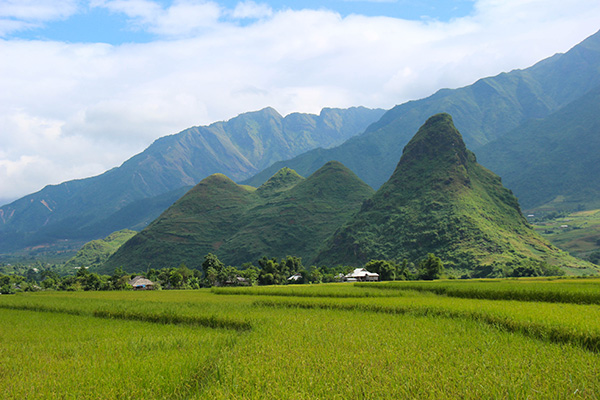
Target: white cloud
{"x": 71, "y": 110}
{"x": 18, "y": 15}
{"x": 181, "y": 18}
{"x": 251, "y": 10}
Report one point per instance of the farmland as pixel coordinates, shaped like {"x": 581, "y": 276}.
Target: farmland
{"x": 536, "y": 338}
{"x": 578, "y": 233}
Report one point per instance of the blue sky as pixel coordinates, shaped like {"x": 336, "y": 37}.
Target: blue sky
{"x": 86, "y": 84}
{"x": 92, "y": 23}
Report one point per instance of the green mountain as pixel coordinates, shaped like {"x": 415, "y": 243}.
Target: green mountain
{"x": 288, "y": 215}
{"x": 439, "y": 200}
{"x": 553, "y": 163}
{"x": 484, "y": 111}
{"x": 93, "y": 254}
{"x": 92, "y": 208}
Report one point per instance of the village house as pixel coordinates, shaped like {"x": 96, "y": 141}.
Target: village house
{"x": 361, "y": 275}
{"x": 141, "y": 283}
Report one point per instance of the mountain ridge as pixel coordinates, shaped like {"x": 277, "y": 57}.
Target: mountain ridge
{"x": 244, "y": 144}
{"x": 483, "y": 112}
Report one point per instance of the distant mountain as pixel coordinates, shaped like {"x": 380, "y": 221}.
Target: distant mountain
{"x": 484, "y": 112}
{"x": 93, "y": 254}
{"x": 288, "y": 215}
{"x": 553, "y": 163}
{"x": 94, "y": 207}
{"x": 439, "y": 200}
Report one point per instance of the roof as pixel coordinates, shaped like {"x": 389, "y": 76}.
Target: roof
{"x": 360, "y": 273}
{"x": 140, "y": 281}
{"x": 295, "y": 277}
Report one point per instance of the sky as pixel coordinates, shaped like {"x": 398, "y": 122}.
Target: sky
{"x": 86, "y": 84}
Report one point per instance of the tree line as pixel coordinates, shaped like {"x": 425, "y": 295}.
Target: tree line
{"x": 268, "y": 271}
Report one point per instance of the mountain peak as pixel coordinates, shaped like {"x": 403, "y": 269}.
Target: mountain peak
{"x": 437, "y": 137}
{"x": 283, "y": 179}
{"x": 439, "y": 200}
{"x": 437, "y": 155}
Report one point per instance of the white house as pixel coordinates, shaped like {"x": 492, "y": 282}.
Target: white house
{"x": 361, "y": 275}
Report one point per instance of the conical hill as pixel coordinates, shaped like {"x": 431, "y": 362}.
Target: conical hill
{"x": 288, "y": 215}
{"x": 194, "y": 225}
{"x": 439, "y": 200}
{"x": 284, "y": 179}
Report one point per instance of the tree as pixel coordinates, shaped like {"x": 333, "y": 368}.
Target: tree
{"x": 385, "y": 269}
{"x": 229, "y": 275}
{"x": 48, "y": 283}
{"x": 313, "y": 275}
{"x": 185, "y": 272}
{"x": 431, "y": 268}
{"x": 250, "y": 273}
{"x": 194, "y": 282}
{"x": 211, "y": 276}
{"x": 82, "y": 272}
{"x": 91, "y": 281}
{"x": 291, "y": 265}
{"x": 270, "y": 273}
{"x": 175, "y": 279}
{"x": 212, "y": 261}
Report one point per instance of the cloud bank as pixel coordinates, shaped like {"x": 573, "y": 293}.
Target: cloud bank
{"x": 71, "y": 110}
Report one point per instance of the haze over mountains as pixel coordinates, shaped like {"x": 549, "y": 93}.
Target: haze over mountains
{"x": 483, "y": 112}
{"x": 135, "y": 193}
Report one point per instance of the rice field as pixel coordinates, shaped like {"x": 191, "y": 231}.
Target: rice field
{"x": 334, "y": 341}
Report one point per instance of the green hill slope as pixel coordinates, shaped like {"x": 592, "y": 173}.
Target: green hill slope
{"x": 89, "y": 208}
{"x": 554, "y": 160}
{"x": 439, "y": 200}
{"x": 288, "y": 215}
{"x": 483, "y": 112}
{"x": 93, "y": 254}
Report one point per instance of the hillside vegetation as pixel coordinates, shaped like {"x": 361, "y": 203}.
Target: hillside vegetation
{"x": 288, "y": 215}
{"x": 552, "y": 163}
{"x": 93, "y": 254}
{"x": 578, "y": 233}
{"x": 439, "y": 200}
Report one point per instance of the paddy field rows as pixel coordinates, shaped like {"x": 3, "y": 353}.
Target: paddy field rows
{"x": 338, "y": 341}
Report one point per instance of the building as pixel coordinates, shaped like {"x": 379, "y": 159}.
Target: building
{"x": 361, "y": 275}
{"x": 141, "y": 283}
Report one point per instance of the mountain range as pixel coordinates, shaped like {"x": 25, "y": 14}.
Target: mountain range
{"x": 485, "y": 112}
{"x": 536, "y": 128}
{"x": 152, "y": 180}
{"x": 438, "y": 200}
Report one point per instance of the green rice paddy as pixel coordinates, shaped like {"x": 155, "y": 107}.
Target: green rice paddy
{"x": 334, "y": 341}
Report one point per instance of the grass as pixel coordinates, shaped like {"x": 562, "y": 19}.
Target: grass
{"x": 584, "y": 291}
{"x": 299, "y": 342}
{"x": 578, "y": 233}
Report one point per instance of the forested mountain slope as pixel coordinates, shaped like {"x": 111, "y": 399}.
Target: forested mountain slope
{"x": 440, "y": 200}
{"x": 288, "y": 215}
{"x": 89, "y": 208}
